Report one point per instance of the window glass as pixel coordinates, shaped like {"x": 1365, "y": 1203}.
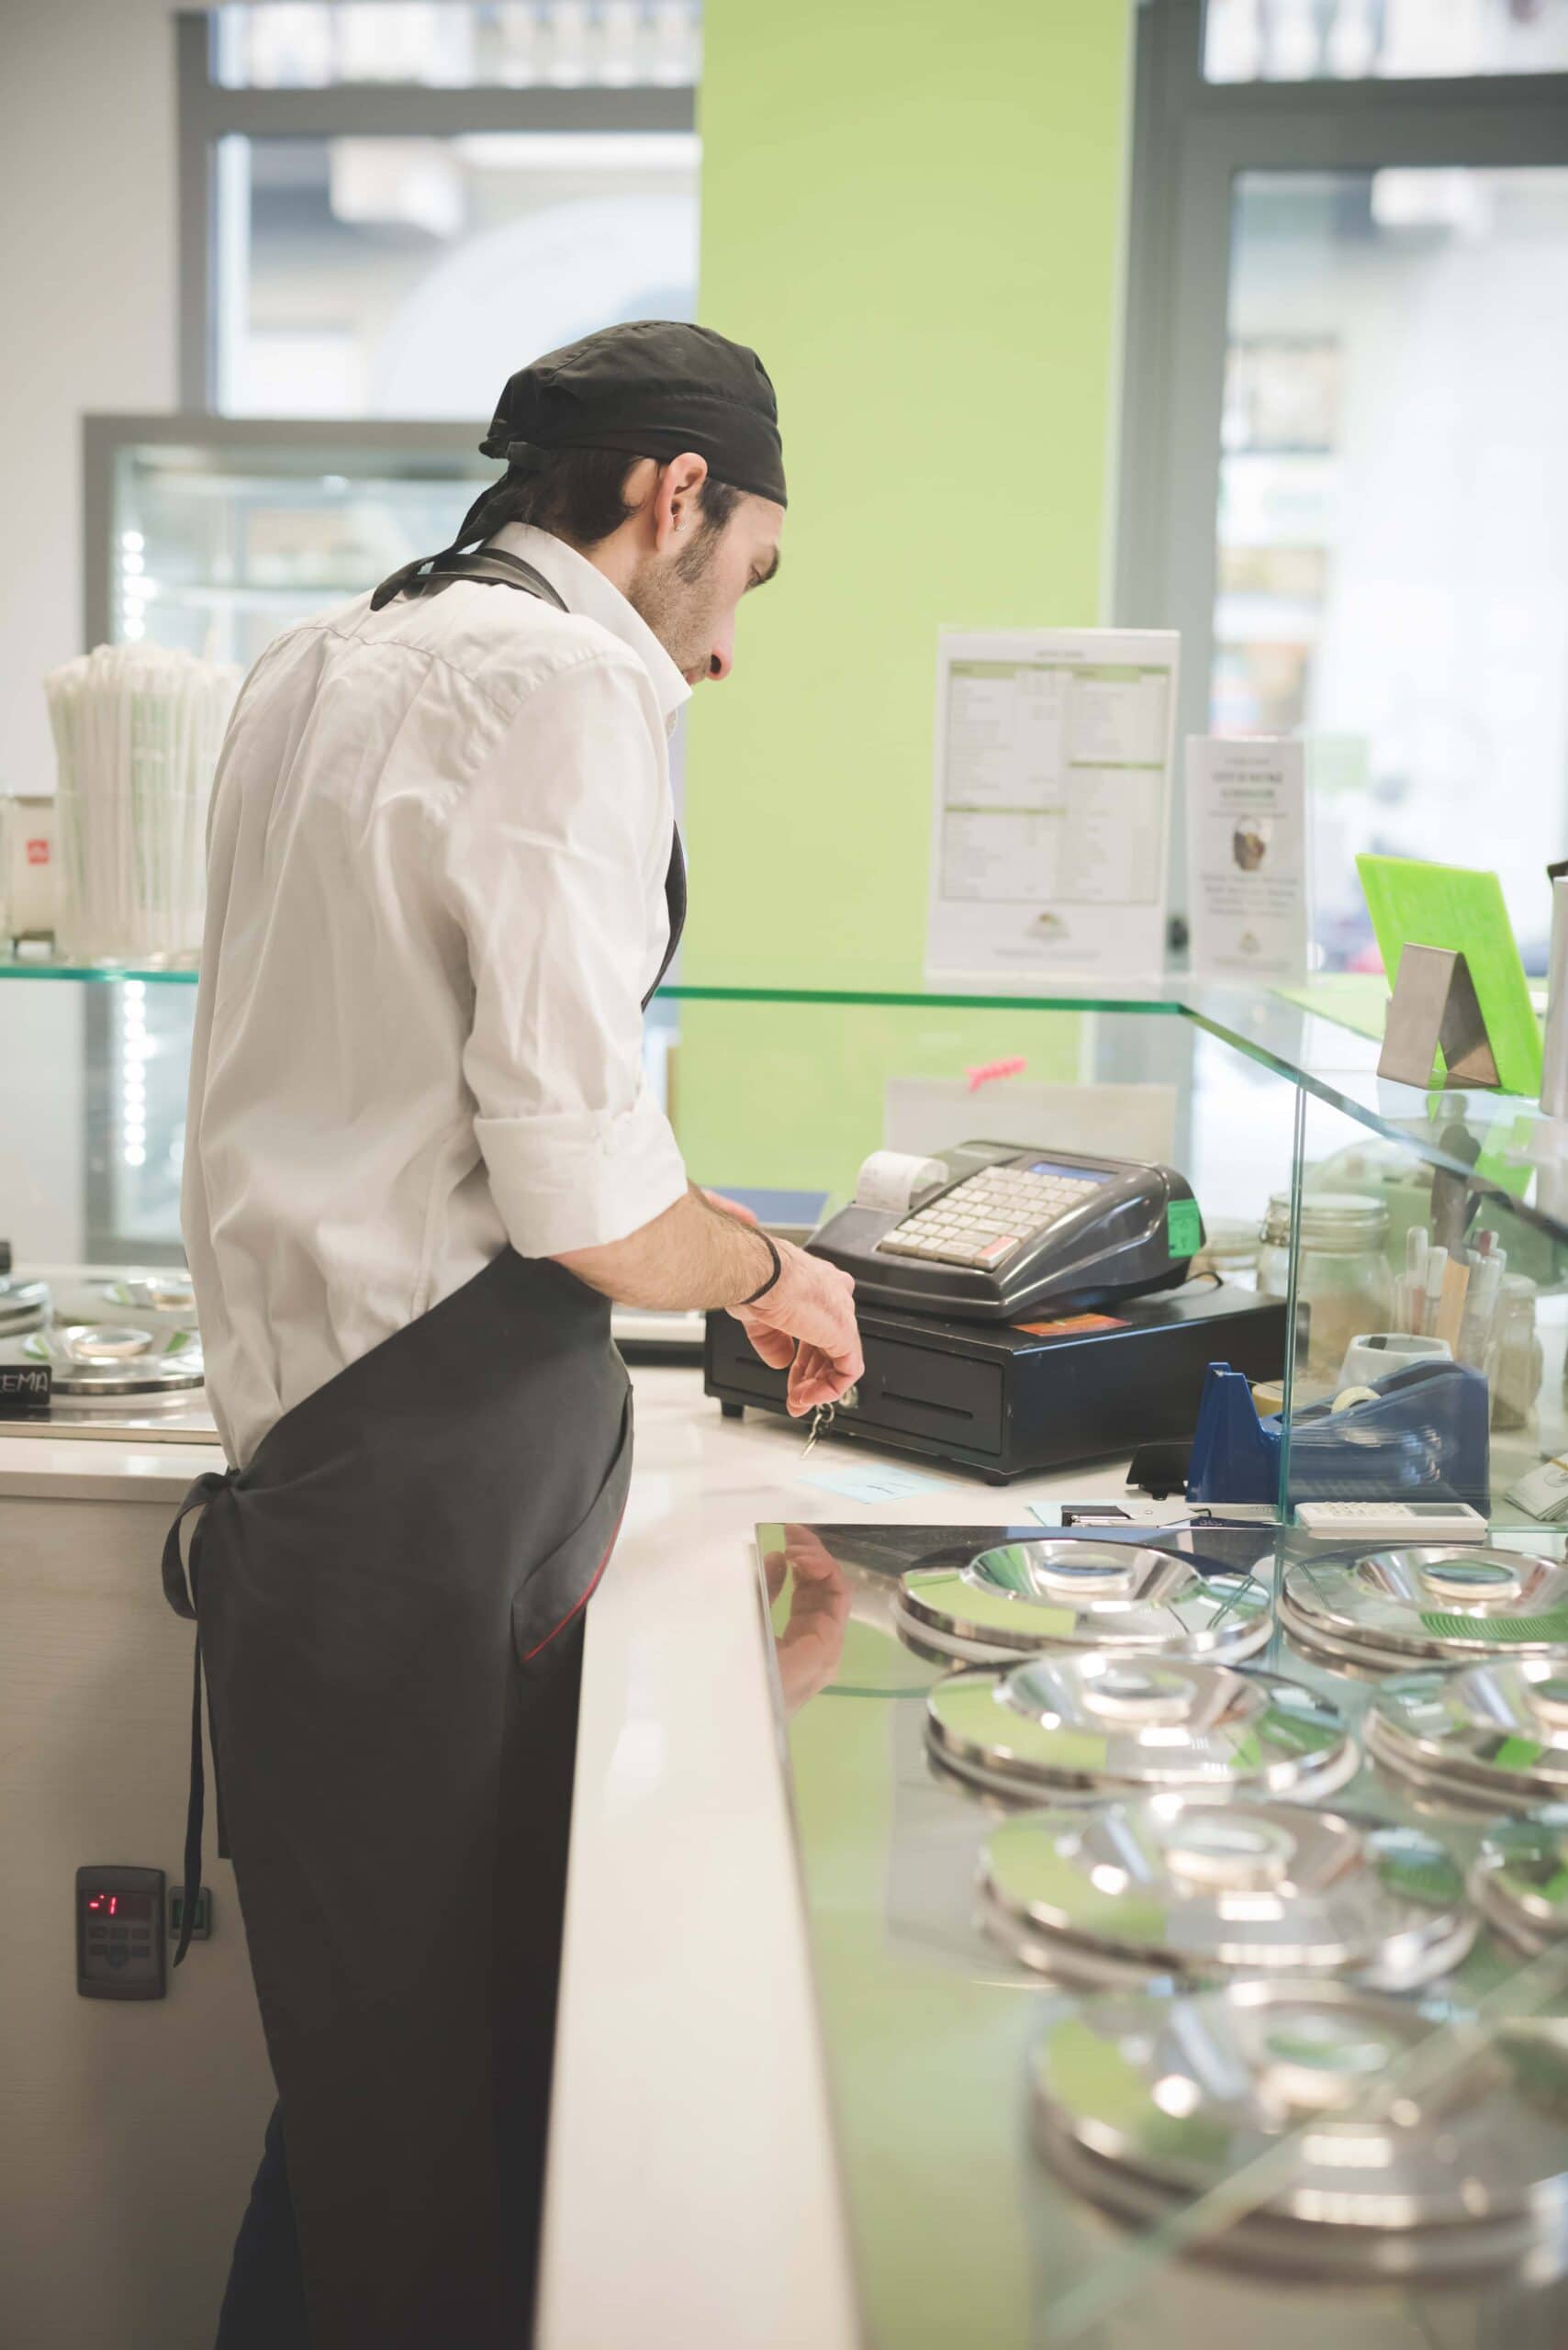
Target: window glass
{"x": 410, "y": 277}
{"x": 302, "y": 44}
{"x": 1393, "y": 511}
{"x": 1352, "y": 40}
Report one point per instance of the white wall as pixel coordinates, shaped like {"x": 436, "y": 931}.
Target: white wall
{"x": 87, "y": 278}
{"x": 87, "y": 314}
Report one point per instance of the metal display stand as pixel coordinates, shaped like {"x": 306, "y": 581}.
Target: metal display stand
{"x": 1435, "y": 1007}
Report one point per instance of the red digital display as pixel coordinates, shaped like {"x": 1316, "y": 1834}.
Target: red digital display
{"x": 136, "y": 1906}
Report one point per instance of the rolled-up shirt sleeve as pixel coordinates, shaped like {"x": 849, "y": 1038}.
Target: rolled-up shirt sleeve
{"x": 554, "y": 861}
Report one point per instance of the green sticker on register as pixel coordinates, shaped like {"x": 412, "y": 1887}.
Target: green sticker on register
{"x": 1183, "y": 1227}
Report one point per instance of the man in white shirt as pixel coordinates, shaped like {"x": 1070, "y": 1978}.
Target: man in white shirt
{"x": 421, "y": 1158}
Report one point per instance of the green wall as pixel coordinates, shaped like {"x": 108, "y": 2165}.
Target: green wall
{"x": 913, "y": 212}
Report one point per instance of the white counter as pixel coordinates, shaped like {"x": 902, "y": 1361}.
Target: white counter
{"x": 98, "y": 1469}
{"x": 693, "y": 2195}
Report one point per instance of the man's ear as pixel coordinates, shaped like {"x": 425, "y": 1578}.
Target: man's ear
{"x": 678, "y": 498}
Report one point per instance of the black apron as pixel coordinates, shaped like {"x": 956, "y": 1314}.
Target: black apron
{"x": 389, "y": 1600}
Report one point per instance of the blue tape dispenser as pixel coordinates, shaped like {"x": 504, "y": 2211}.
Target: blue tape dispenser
{"x": 1423, "y": 1431}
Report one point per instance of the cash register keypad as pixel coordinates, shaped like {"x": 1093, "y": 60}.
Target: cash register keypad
{"x": 984, "y": 1219}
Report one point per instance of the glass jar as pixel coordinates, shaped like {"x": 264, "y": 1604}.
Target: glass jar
{"x": 1344, "y": 1288}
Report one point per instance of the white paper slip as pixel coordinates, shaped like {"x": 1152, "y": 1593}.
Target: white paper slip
{"x": 1049, "y": 803}
{"x": 890, "y": 1180}
{"x": 878, "y": 1484}
{"x": 1543, "y": 1493}
{"x": 1247, "y": 856}
{"x": 1127, "y": 1509}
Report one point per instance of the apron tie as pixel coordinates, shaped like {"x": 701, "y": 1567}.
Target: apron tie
{"x": 183, "y": 1595}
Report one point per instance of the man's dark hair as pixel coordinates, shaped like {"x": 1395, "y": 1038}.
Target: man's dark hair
{"x": 580, "y": 497}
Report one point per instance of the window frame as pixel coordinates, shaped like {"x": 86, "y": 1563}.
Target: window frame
{"x": 1191, "y": 138}
{"x": 210, "y": 111}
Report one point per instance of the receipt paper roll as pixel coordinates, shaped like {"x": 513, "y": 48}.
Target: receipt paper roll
{"x": 891, "y": 1180}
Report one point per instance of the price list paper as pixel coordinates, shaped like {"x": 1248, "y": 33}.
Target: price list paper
{"x": 1051, "y": 795}
{"x": 1247, "y": 856}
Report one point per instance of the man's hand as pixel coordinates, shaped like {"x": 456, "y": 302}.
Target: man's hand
{"x": 812, "y": 1642}
{"x": 805, "y": 1324}
{"x": 705, "y": 1251}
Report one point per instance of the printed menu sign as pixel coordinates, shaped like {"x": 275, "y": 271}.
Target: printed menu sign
{"x": 1049, "y": 808}
{"x": 1247, "y": 856}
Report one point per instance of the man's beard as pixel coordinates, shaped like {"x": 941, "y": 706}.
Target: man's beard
{"x": 676, "y": 601}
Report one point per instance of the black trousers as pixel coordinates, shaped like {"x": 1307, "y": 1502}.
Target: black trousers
{"x": 263, "y": 2306}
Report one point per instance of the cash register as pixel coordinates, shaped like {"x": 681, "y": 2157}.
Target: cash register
{"x": 1020, "y": 1310}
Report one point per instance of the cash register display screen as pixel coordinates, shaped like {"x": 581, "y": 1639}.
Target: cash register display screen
{"x": 1074, "y": 1174}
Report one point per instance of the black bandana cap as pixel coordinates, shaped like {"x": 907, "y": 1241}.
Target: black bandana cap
{"x": 653, "y": 387}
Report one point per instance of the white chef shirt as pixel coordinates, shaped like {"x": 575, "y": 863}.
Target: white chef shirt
{"x": 435, "y": 900}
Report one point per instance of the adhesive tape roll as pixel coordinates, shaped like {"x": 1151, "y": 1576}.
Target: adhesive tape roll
{"x": 1350, "y": 1395}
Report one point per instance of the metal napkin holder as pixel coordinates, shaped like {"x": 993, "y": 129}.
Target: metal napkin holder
{"x": 1435, "y": 1007}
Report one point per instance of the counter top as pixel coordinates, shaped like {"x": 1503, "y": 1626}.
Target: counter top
{"x": 102, "y": 1468}
{"x": 693, "y": 2192}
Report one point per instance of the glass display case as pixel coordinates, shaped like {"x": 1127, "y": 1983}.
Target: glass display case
{"x": 208, "y": 534}
{"x": 1190, "y": 2035}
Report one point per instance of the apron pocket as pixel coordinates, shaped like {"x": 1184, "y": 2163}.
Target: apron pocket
{"x": 554, "y": 1591}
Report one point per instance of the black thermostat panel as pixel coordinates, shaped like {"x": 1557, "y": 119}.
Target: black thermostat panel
{"x": 121, "y": 1946}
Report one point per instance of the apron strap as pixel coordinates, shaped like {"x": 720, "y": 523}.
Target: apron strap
{"x": 493, "y": 566}
{"x": 182, "y": 1595}
{"x": 674, "y": 904}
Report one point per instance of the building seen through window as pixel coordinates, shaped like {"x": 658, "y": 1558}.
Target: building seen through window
{"x": 1350, "y": 40}
{"x": 1393, "y": 508}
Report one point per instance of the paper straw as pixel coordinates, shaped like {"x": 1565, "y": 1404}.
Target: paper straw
{"x": 137, "y": 730}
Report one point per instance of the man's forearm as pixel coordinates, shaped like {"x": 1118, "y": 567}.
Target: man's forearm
{"x": 693, "y": 1255}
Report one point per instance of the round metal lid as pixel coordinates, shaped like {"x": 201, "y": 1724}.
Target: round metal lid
{"x": 1498, "y": 1731}
{"x": 1491, "y": 1731}
{"x": 1192, "y": 1889}
{"x": 162, "y": 1293}
{"x": 1055, "y": 1593}
{"x": 106, "y": 1359}
{"x": 23, "y": 1303}
{"x": 1104, "y": 1721}
{"x": 1466, "y": 2143}
{"x": 1428, "y": 1603}
{"x": 1520, "y": 1876}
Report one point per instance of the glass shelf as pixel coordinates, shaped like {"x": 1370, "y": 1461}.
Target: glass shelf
{"x": 22, "y": 967}
{"x": 1260, "y": 1099}
{"x": 1501, "y": 1143}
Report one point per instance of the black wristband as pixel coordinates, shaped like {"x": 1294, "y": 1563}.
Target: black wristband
{"x": 773, "y": 1276}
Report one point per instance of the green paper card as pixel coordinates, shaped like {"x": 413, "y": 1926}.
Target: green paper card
{"x": 1414, "y": 904}
{"x": 1184, "y": 1227}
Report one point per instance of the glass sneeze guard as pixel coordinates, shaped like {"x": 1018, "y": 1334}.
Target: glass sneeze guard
{"x": 1274, "y": 1111}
